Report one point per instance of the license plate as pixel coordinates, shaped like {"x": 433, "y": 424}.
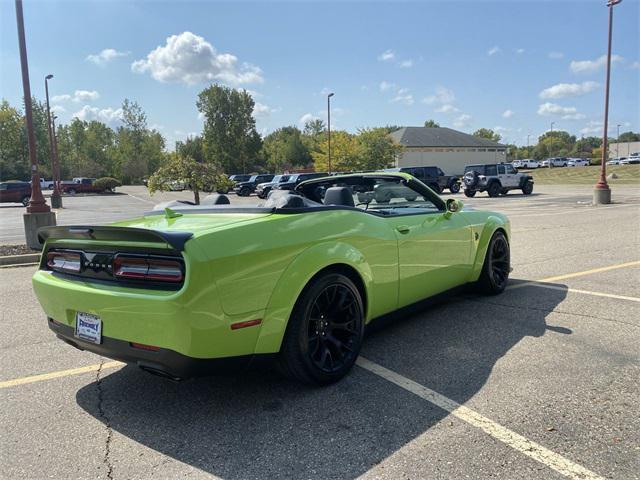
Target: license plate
{"x": 88, "y": 327}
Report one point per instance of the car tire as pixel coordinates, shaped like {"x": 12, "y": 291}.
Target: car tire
{"x": 494, "y": 189}
{"x": 527, "y": 189}
{"x": 497, "y": 266}
{"x": 454, "y": 187}
{"x": 71, "y": 191}
{"x": 470, "y": 193}
{"x": 327, "y": 321}
{"x": 25, "y": 200}
{"x": 504, "y": 191}
{"x": 244, "y": 192}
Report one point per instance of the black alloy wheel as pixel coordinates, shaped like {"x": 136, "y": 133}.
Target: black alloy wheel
{"x": 244, "y": 192}
{"x": 25, "y": 200}
{"x": 470, "y": 193}
{"x": 494, "y": 189}
{"x": 497, "y": 265}
{"x": 528, "y": 188}
{"x": 325, "y": 331}
{"x": 454, "y": 187}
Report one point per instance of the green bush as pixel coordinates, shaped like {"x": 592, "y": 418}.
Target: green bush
{"x": 108, "y": 184}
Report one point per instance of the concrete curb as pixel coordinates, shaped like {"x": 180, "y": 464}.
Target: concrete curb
{"x": 19, "y": 259}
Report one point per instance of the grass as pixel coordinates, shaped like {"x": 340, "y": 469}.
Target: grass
{"x": 627, "y": 175}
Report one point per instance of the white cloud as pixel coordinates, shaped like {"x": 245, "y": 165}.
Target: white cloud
{"x": 58, "y": 109}
{"x": 443, "y": 95}
{"x": 78, "y": 96}
{"x": 107, "y": 115}
{"x": 105, "y": 56}
{"x": 447, "y": 108}
{"x": 548, "y": 108}
{"x": 260, "y": 110}
{"x": 590, "y": 66}
{"x": 386, "y": 86}
{"x": 562, "y": 90}
{"x": 574, "y": 116}
{"x": 462, "y": 121}
{"x": 307, "y": 117}
{"x": 190, "y": 59}
{"x": 508, "y": 114}
{"x": 555, "y": 55}
{"x": 492, "y": 51}
{"x": 387, "y": 56}
{"x": 325, "y": 91}
{"x": 406, "y": 63}
{"x": 403, "y": 96}
{"x": 595, "y": 127}
{"x": 635, "y": 65}
{"x": 520, "y": 51}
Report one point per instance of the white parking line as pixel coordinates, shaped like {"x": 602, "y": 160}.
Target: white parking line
{"x": 584, "y": 292}
{"x": 141, "y": 199}
{"x": 512, "y": 439}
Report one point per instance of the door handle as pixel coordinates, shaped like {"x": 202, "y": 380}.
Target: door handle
{"x": 403, "y": 228}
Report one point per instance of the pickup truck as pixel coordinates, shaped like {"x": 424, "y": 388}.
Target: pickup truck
{"x": 433, "y": 177}
{"x": 45, "y": 184}
{"x": 80, "y": 185}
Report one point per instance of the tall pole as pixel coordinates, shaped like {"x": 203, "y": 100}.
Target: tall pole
{"x": 37, "y": 203}
{"x": 56, "y": 199}
{"x": 528, "y": 152}
{"x": 55, "y": 153}
{"x": 618, "y": 142}
{"x": 329, "y": 127}
{"x": 602, "y": 192}
{"x": 551, "y": 158}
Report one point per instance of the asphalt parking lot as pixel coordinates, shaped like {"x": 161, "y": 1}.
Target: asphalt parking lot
{"x": 539, "y": 382}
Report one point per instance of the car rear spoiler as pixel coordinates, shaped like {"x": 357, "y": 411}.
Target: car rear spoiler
{"x": 79, "y": 232}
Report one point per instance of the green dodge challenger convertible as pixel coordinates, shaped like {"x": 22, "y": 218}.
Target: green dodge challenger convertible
{"x": 194, "y": 290}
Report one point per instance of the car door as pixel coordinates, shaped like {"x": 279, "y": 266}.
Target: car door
{"x": 434, "y": 252}
{"x": 511, "y": 176}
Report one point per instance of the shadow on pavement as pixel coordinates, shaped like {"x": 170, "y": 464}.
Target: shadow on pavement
{"x": 263, "y": 426}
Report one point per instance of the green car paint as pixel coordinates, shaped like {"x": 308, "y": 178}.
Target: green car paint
{"x": 244, "y": 266}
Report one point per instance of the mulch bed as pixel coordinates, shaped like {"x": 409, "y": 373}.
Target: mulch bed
{"x": 6, "y": 250}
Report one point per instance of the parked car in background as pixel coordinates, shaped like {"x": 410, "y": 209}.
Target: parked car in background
{"x": 45, "y": 184}
{"x": 616, "y": 161}
{"x": 555, "y": 162}
{"x": 15, "y": 192}
{"x": 296, "y": 178}
{"x": 263, "y": 189}
{"x": 578, "y": 162}
{"x": 81, "y": 185}
{"x": 239, "y": 178}
{"x": 630, "y": 161}
{"x": 433, "y": 177}
{"x": 495, "y": 179}
{"x": 244, "y": 189}
{"x": 526, "y": 163}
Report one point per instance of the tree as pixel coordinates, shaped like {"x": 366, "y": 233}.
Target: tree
{"x": 14, "y": 163}
{"x": 629, "y": 137}
{"x": 488, "y": 134}
{"x": 376, "y": 149}
{"x": 554, "y": 144}
{"x": 199, "y": 176}
{"x": 344, "y": 153}
{"x": 230, "y": 139}
{"x": 284, "y": 149}
{"x": 191, "y": 147}
{"x": 431, "y": 124}
{"x": 314, "y": 128}
{"x": 132, "y": 163}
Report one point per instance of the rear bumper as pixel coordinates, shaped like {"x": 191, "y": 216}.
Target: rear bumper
{"x": 163, "y": 362}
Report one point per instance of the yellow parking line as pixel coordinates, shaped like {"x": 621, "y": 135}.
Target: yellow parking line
{"x": 576, "y": 274}
{"x": 510, "y": 438}
{"x": 61, "y": 373}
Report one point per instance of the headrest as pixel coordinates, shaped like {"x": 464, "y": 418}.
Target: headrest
{"x": 283, "y": 199}
{"x": 339, "y": 196}
{"x": 215, "y": 199}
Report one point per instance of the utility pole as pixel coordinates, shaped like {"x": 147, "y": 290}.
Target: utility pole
{"x": 601, "y": 191}
{"x": 329, "y": 127}
{"x": 38, "y": 212}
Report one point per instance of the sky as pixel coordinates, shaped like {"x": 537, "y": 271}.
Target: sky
{"x": 511, "y": 66}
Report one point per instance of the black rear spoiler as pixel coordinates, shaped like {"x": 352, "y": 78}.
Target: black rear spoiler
{"x": 80, "y": 232}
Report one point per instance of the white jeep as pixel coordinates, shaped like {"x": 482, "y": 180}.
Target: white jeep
{"x": 495, "y": 179}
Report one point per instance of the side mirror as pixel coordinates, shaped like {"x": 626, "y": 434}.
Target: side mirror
{"x": 454, "y": 205}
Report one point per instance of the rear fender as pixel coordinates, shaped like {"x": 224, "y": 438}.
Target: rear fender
{"x": 492, "y": 224}
{"x": 293, "y": 280}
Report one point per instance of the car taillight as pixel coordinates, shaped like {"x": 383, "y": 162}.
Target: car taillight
{"x": 64, "y": 261}
{"x": 153, "y": 269}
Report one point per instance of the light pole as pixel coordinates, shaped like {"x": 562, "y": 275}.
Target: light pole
{"x": 55, "y": 152}
{"x": 601, "y": 191}
{"x": 618, "y": 141}
{"x": 56, "y": 200}
{"x": 38, "y": 212}
{"x": 329, "y": 126}
{"x": 551, "y": 157}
